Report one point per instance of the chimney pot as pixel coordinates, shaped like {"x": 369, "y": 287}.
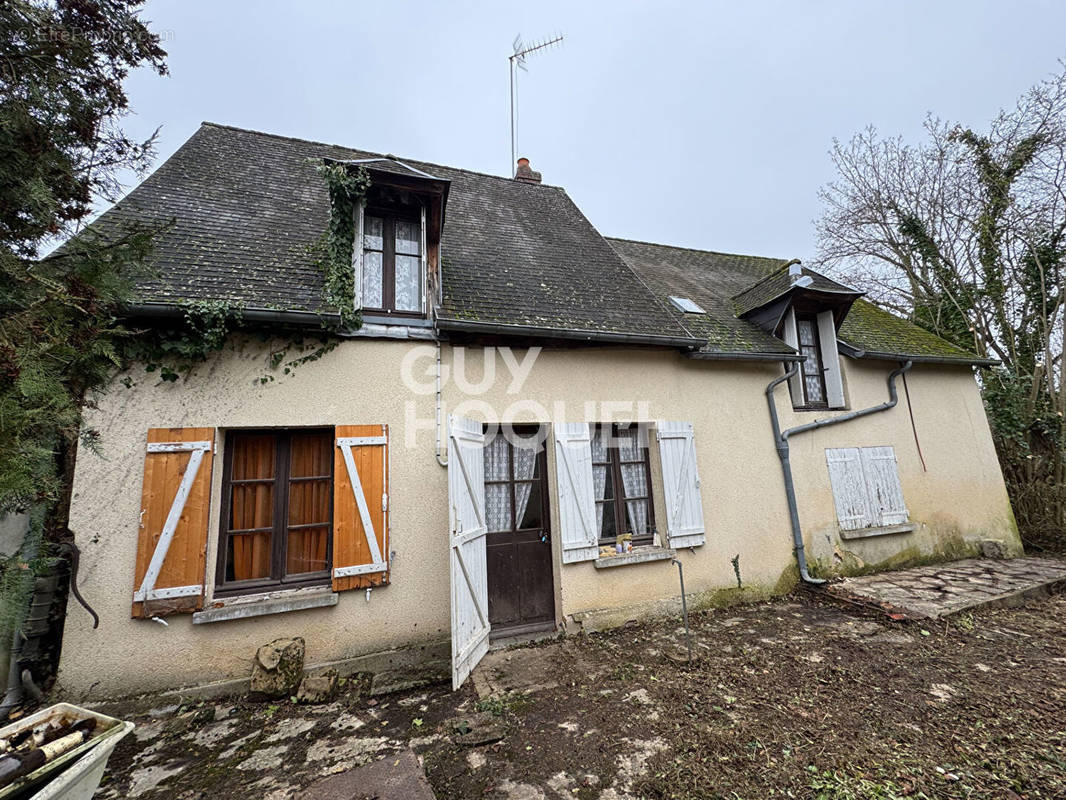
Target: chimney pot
{"x": 525, "y": 173}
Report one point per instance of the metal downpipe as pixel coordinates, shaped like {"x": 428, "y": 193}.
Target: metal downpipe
{"x": 781, "y": 444}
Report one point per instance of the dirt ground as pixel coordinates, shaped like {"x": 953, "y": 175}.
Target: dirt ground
{"x": 797, "y": 698}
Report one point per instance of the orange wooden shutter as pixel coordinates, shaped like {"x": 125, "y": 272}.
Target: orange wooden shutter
{"x": 360, "y": 506}
{"x": 175, "y": 504}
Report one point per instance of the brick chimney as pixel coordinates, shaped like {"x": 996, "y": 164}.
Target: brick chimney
{"x": 524, "y": 173}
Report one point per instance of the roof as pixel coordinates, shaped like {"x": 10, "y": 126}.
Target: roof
{"x": 710, "y": 279}
{"x": 714, "y": 280}
{"x": 780, "y": 283}
{"x": 249, "y": 206}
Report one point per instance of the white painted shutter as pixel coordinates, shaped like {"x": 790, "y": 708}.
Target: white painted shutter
{"x": 357, "y": 258}
{"x": 834, "y": 380}
{"x": 577, "y": 502}
{"x": 681, "y": 484}
{"x": 795, "y": 383}
{"x": 470, "y": 586}
{"x": 849, "y": 488}
{"x": 883, "y": 491}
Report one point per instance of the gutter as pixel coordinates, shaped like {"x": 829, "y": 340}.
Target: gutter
{"x": 172, "y": 311}
{"x": 781, "y": 444}
{"x": 464, "y": 326}
{"x": 960, "y": 361}
{"x": 741, "y": 356}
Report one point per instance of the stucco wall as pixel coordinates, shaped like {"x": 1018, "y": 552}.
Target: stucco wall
{"x": 960, "y": 497}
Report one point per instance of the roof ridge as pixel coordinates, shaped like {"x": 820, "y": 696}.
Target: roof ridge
{"x": 691, "y": 249}
{"x": 390, "y": 156}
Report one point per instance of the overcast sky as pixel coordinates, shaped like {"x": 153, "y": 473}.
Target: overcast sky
{"x": 697, "y": 124}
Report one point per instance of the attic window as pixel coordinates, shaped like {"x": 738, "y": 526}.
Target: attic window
{"x": 686, "y": 305}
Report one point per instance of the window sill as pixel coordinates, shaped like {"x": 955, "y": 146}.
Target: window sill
{"x": 259, "y": 605}
{"x": 639, "y": 555}
{"x": 866, "y": 533}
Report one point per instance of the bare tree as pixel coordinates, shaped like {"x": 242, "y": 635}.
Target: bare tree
{"x": 965, "y": 234}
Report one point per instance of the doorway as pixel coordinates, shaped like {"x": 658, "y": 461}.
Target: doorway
{"x": 521, "y": 591}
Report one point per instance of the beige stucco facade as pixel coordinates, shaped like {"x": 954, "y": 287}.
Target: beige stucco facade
{"x": 956, "y": 500}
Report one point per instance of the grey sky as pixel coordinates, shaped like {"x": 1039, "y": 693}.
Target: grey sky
{"x": 697, "y": 124}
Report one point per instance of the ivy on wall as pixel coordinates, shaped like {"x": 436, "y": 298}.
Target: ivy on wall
{"x": 347, "y": 188}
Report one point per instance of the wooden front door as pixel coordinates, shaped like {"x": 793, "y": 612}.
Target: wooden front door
{"x": 521, "y": 590}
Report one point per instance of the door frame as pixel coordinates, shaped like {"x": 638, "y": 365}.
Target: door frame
{"x": 543, "y": 432}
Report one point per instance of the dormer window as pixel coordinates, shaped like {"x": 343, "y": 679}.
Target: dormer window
{"x": 819, "y": 382}
{"x": 393, "y": 278}
{"x": 813, "y": 387}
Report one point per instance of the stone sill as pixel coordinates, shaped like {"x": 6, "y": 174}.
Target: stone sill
{"x": 639, "y": 555}
{"x": 257, "y": 606}
{"x": 866, "y": 533}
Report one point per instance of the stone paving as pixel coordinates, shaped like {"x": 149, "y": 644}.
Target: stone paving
{"x": 939, "y": 590}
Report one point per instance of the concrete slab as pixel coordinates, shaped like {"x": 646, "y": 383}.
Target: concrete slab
{"x": 939, "y": 590}
{"x": 396, "y": 777}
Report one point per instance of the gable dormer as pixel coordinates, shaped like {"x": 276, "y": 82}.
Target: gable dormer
{"x": 398, "y": 232}
{"x": 805, "y": 310}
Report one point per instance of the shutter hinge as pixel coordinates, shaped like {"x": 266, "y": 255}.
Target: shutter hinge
{"x": 384, "y": 501}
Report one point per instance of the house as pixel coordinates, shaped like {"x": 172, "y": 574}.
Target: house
{"x": 668, "y": 403}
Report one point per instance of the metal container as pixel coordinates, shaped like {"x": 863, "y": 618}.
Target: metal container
{"x": 75, "y": 775}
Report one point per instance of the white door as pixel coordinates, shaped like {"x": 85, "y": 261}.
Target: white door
{"x": 470, "y": 585}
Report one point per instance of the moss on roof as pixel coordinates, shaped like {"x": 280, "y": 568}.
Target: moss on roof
{"x": 872, "y": 328}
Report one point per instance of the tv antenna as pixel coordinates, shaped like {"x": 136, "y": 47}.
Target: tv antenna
{"x": 518, "y": 62}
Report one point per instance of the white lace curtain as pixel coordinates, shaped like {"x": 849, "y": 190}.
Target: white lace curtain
{"x": 498, "y": 498}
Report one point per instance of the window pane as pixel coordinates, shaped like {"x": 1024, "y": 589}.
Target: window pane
{"x": 605, "y": 520}
{"x": 635, "y": 480}
{"x": 252, "y": 506}
{"x": 408, "y": 237}
{"x": 527, "y": 505}
{"x": 628, "y": 447}
{"x": 253, "y": 456}
{"x": 372, "y": 279}
{"x": 307, "y": 551}
{"x": 498, "y": 507}
{"x": 408, "y": 283}
{"x": 600, "y": 438}
{"x": 525, "y": 463}
{"x": 601, "y": 481}
{"x": 497, "y": 466}
{"x": 812, "y": 379}
{"x": 248, "y": 557}
{"x": 806, "y": 331}
{"x": 311, "y": 454}
{"x": 309, "y": 502}
{"x": 637, "y": 516}
{"x": 373, "y": 238}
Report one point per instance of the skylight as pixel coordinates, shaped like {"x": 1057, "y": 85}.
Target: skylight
{"x": 686, "y": 305}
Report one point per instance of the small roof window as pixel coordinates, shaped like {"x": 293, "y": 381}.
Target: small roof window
{"x": 686, "y": 305}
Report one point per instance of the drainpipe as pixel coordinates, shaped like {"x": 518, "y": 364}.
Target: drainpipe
{"x": 781, "y": 443}
{"x": 440, "y": 442}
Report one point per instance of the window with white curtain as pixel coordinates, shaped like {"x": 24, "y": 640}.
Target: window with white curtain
{"x": 513, "y": 485}
{"x": 621, "y": 478}
{"x": 392, "y": 263}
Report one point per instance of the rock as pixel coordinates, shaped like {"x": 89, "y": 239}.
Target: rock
{"x": 277, "y": 669}
{"x": 993, "y": 548}
{"x": 476, "y": 729}
{"x": 316, "y": 689}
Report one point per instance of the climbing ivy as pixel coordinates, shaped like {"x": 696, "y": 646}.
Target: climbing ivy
{"x": 347, "y": 188}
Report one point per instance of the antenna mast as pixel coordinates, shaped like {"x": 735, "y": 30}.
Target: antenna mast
{"x": 518, "y": 61}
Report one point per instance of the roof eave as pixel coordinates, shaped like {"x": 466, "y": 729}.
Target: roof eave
{"x": 918, "y": 358}
{"x": 575, "y": 334}
{"x": 738, "y": 355}
{"x": 157, "y": 310}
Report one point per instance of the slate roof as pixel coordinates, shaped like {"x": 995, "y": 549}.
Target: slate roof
{"x": 249, "y": 205}
{"x": 714, "y": 279}
{"x": 779, "y": 283}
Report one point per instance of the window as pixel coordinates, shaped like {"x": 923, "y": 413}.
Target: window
{"x": 686, "y": 305}
{"x": 622, "y": 483}
{"x": 811, "y": 368}
{"x": 392, "y": 264}
{"x": 277, "y": 510}
{"x": 514, "y": 490}
{"x": 866, "y": 487}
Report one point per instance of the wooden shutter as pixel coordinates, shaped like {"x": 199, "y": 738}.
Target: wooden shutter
{"x": 883, "y": 491}
{"x": 795, "y": 383}
{"x": 849, "y": 488}
{"x": 175, "y": 507}
{"x": 469, "y": 562}
{"x": 357, "y": 258}
{"x": 681, "y": 484}
{"x": 360, "y": 506}
{"x": 576, "y": 493}
{"x": 834, "y": 380}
